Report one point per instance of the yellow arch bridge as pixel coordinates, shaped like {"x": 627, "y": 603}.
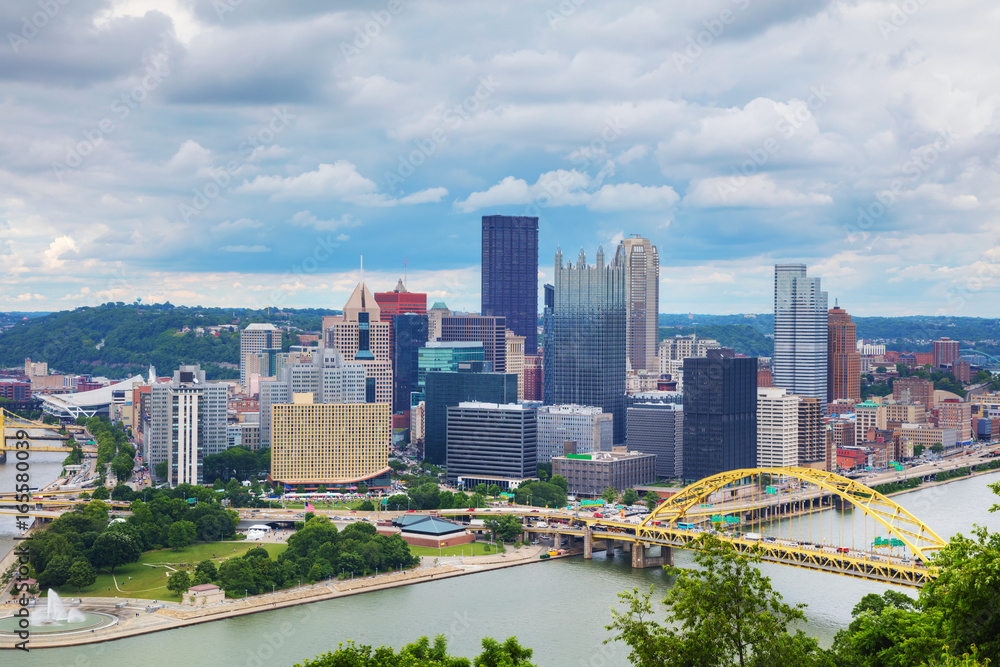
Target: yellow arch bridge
{"x": 40, "y": 437}
{"x": 793, "y": 516}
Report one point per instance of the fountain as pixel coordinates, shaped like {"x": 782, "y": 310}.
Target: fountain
{"x": 55, "y": 618}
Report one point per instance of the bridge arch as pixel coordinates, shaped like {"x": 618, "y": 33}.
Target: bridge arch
{"x": 900, "y": 523}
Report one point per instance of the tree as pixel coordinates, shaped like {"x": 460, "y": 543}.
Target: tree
{"x": 300, "y": 488}
{"x": 937, "y": 448}
{"x": 101, "y": 493}
{"x": 122, "y": 467}
{"x": 880, "y": 370}
{"x": 181, "y": 534}
{"x": 161, "y": 469}
{"x": 319, "y": 489}
{"x": 122, "y": 492}
{"x": 630, "y": 497}
{"x": 205, "y": 573}
{"x": 423, "y": 653}
{"x": 560, "y": 481}
{"x": 652, "y": 500}
{"x": 178, "y": 582}
{"x": 724, "y": 613}
{"x": 366, "y": 506}
{"x": 918, "y": 450}
{"x": 505, "y": 527}
{"x": 362, "y": 488}
{"x": 113, "y": 548}
{"x": 610, "y": 495}
{"x": 56, "y": 572}
{"x": 481, "y": 489}
{"x": 493, "y": 490}
{"x": 81, "y": 574}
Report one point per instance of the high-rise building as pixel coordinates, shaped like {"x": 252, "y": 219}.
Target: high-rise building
{"x": 946, "y": 352}
{"x": 326, "y": 376}
{"x": 801, "y": 325}
{"x": 255, "y": 339}
{"x": 777, "y": 428}
{"x": 843, "y": 358}
{"x": 868, "y": 416}
{"x": 515, "y": 360}
{"x": 532, "y": 377}
{"x": 491, "y": 443}
{"x": 447, "y": 389}
{"x": 956, "y": 414}
{"x": 584, "y": 354}
{"x": 360, "y": 336}
{"x": 590, "y": 428}
{"x": 680, "y": 348}
{"x": 914, "y": 390}
{"x": 720, "y": 413}
{"x": 410, "y": 334}
{"x": 436, "y": 356}
{"x": 438, "y": 311}
{"x": 510, "y": 275}
{"x": 658, "y": 428}
{"x": 187, "y": 422}
{"x": 642, "y": 301}
{"x": 488, "y": 330}
{"x": 812, "y": 435}
{"x": 397, "y": 302}
{"x": 338, "y": 445}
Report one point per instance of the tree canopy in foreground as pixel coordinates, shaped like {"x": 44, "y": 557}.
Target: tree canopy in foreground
{"x": 423, "y": 653}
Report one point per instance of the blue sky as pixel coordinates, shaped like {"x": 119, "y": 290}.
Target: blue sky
{"x": 248, "y": 152}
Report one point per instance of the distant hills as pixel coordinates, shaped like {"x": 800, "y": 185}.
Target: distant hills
{"x": 71, "y": 341}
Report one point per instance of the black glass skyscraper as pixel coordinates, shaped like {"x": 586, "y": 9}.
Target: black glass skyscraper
{"x": 584, "y": 355}
{"x": 410, "y": 335}
{"x": 510, "y": 274}
{"x": 720, "y": 414}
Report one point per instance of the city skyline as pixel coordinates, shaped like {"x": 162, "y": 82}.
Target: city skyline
{"x": 144, "y": 159}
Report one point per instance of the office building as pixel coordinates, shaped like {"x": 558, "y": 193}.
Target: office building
{"x": 327, "y": 376}
{"x": 897, "y": 413}
{"x": 658, "y": 429}
{"x": 868, "y": 416}
{"x": 641, "y": 264}
{"x": 913, "y": 390}
{"x": 336, "y": 445}
{"x": 680, "y": 348}
{"x": 813, "y": 451}
{"x": 438, "y": 311}
{"x": 946, "y": 352}
{"x": 443, "y": 390}
{"x": 584, "y": 353}
{"x": 187, "y": 422}
{"x": 409, "y": 335}
{"x": 591, "y": 429}
{"x": 926, "y": 436}
{"x": 843, "y": 358}
{"x": 532, "y": 377}
{"x": 510, "y": 275}
{"x": 362, "y": 337}
{"x": 436, "y": 356}
{"x": 35, "y": 368}
{"x": 957, "y": 415}
{"x": 15, "y": 390}
{"x": 397, "y": 302}
{"x": 253, "y": 340}
{"x": 490, "y": 331}
{"x": 492, "y": 443}
{"x": 515, "y": 360}
{"x": 720, "y": 414}
{"x": 777, "y": 428}
{"x": 801, "y": 324}
{"x": 590, "y": 474}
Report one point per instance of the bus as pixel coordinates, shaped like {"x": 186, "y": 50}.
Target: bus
{"x": 685, "y": 526}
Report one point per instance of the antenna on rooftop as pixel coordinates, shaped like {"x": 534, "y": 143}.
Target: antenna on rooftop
{"x": 404, "y": 273}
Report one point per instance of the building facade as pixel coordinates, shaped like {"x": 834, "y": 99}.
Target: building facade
{"x": 777, "y": 428}
{"x": 515, "y": 360}
{"x": 720, "y": 414}
{"x": 590, "y": 474}
{"x": 641, "y": 264}
{"x": 658, "y": 429}
{"x": 914, "y": 390}
{"x": 946, "y": 352}
{"x": 813, "y": 440}
{"x": 801, "y": 325}
{"x": 256, "y": 338}
{"x": 590, "y": 428}
{"x": 409, "y": 335}
{"x": 844, "y": 372}
{"x": 488, "y": 330}
{"x": 510, "y": 275}
{"x": 397, "y": 302}
{"x": 956, "y": 415}
{"x": 532, "y": 377}
{"x": 584, "y": 353}
{"x": 491, "y": 440}
{"x": 447, "y": 389}
{"x": 362, "y": 337}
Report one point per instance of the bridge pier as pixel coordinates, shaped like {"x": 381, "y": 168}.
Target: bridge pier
{"x": 644, "y": 556}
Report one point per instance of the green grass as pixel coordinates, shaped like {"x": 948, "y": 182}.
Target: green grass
{"x": 149, "y": 574}
{"x": 476, "y": 548}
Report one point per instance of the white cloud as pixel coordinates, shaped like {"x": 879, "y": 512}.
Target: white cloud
{"x": 241, "y": 225}
{"x": 190, "y": 157}
{"x": 307, "y": 219}
{"x": 754, "y": 191}
{"x": 52, "y": 257}
{"x": 245, "y": 248}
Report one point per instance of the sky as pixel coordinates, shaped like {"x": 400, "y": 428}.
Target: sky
{"x": 249, "y": 153}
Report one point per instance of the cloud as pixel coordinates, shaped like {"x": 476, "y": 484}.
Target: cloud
{"x": 245, "y": 248}
{"x": 570, "y": 188}
{"x": 754, "y": 191}
{"x": 307, "y": 219}
{"x": 241, "y": 225}
{"x": 52, "y": 257}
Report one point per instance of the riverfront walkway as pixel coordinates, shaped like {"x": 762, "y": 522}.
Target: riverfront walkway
{"x": 135, "y": 620}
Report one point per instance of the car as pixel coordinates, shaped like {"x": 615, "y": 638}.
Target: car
{"x": 843, "y": 550}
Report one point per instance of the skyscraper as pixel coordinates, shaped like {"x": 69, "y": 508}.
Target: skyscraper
{"x": 397, "y": 302}
{"x": 844, "y": 373}
{"x": 488, "y": 330}
{"x": 510, "y": 274}
{"x": 642, "y": 301}
{"x": 254, "y": 339}
{"x": 360, "y": 336}
{"x": 720, "y": 414}
{"x": 447, "y": 389}
{"x": 584, "y": 355}
{"x": 946, "y": 352}
{"x": 187, "y": 422}
{"x": 801, "y": 322}
{"x": 410, "y": 334}
{"x": 777, "y": 428}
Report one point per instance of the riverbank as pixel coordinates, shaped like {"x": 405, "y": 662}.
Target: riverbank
{"x": 134, "y": 619}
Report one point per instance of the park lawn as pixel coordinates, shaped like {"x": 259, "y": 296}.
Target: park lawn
{"x": 478, "y": 549}
{"x": 149, "y": 574}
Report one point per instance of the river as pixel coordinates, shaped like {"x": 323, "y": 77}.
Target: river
{"x": 558, "y": 608}
{"x": 44, "y": 469}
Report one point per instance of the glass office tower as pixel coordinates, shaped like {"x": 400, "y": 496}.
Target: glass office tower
{"x": 801, "y": 322}
{"x": 510, "y": 274}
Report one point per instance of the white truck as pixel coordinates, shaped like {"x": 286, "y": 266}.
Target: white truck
{"x": 751, "y": 536}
